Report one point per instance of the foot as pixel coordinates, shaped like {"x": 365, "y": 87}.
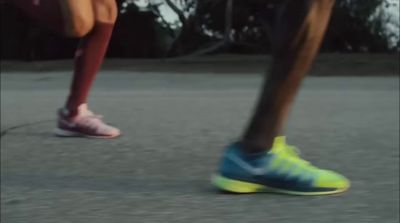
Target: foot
{"x": 280, "y": 170}
{"x": 84, "y": 124}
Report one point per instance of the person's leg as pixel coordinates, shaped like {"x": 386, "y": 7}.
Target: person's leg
{"x": 298, "y": 33}
{"x": 88, "y": 59}
{"x": 246, "y": 166}
{"x": 91, "y": 50}
{"x": 93, "y": 22}
{"x": 78, "y": 17}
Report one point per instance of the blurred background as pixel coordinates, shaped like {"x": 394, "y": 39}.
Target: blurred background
{"x": 171, "y": 28}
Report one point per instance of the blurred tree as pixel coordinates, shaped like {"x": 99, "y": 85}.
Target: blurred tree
{"x": 353, "y": 28}
{"x": 160, "y": 28}
{"x": 247, "y": 26}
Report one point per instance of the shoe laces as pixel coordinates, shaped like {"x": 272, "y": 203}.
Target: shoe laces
{"x": 288, "y": 155}
{"x": 292, "y": 150}
{"x": 93, "y": 121}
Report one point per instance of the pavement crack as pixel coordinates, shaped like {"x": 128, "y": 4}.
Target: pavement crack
{"x": 8, "y": 130}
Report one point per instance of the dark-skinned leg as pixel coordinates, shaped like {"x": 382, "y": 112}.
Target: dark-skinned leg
{"x": 246, "y": 167}
{"x": 298, "y": 34}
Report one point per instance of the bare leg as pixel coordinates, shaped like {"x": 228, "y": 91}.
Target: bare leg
{"x": 105, "y": 11}
{"x": 246, "y": 167}
{"x": 299, "y": 31}
{"x": 78, "y": 16}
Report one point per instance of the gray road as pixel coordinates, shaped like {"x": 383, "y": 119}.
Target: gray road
{"x": 175, "y": 127}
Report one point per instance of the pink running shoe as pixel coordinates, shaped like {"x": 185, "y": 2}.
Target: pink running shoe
{"x": 84, "y": 124}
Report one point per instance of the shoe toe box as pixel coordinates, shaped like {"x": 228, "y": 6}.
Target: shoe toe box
{"x": 331, "y": 179}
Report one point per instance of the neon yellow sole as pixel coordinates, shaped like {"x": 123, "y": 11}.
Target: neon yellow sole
{"x": 236, "y": 186}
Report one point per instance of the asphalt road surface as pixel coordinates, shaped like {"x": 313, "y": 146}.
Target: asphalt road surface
{"x": 175, "y": 127}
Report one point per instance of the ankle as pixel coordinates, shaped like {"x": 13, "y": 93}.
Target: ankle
{"x": 249, "y": 147}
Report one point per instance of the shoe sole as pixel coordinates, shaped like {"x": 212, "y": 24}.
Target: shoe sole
{"x": 242, "y": 187}
{"x": 65, "y": 133}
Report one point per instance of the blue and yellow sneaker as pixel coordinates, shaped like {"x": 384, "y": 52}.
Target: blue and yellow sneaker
{"x": 280, "y": 170}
